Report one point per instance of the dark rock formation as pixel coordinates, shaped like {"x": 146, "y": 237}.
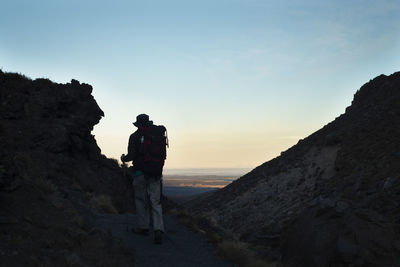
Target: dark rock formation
{"x": 53, "y": 178}
{"x": 331, "y": 200}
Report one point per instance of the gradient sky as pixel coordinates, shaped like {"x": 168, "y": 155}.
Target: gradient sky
{"x": 235, "y": 82}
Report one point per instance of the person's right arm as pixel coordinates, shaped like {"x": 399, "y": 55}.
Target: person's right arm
{"x": 131, "y": 149}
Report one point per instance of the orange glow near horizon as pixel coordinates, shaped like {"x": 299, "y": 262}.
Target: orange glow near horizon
{"x": 197, "y": 185}
{"x": 198, "y": 181}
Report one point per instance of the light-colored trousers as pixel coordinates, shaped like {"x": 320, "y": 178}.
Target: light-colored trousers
{"x": 148, "y": 199}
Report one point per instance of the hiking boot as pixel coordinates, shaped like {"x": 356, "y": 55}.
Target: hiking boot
{"x": 158, "y": 237}
{"x": 140, "y": 231}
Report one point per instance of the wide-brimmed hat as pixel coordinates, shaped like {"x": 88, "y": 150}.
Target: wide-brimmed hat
{"x": 142, "y": 120}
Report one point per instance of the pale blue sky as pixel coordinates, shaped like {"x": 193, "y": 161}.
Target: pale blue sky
{"x": 235, "y": 82}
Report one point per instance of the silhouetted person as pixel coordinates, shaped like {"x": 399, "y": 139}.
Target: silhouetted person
{"x": 147, "y": 150}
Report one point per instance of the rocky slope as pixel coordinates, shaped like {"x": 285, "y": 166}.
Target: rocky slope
{"x": 331, "y": 200}
{"x": 53, "y": 178}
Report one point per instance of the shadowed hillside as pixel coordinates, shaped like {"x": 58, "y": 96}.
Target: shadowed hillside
{"x": 53, "y": 179}
{"x": 331, "y": 200}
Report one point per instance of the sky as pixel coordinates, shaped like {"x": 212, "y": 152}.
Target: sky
{"x": 235, "y": 82}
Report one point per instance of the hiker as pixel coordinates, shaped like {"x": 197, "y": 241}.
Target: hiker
{"x": 147, "y": 150}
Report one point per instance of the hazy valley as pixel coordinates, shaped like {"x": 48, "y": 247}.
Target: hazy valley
{"x": 331, "y": 200}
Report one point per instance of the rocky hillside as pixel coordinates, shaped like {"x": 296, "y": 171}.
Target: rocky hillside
{"x": 53, "y": 178}
{"x": 331, "y": 200}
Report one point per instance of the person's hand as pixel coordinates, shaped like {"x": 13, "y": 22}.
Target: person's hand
{"x": 122, "y": 157}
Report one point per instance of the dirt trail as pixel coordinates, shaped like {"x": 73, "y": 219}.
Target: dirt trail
{"x": 181, "y": 247}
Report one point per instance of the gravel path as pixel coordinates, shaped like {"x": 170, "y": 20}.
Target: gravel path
{"x": 181, "y": 247}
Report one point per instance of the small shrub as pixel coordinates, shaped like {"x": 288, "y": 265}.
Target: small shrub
{"x": 241, "y": 254}
{"x": 2, "y": 171}
{"x": 76, "y": 187}
{"x": 235, "y": 252}
{"x": 16, "y": 76}
{"x": 22, "y": 161}
{"x": 17, "y": 241}
{"x": 78, "y": 220}
{"x": 45, "y": 185}
{"x": 103, "y": 203}
{"x": 213, "y": 237}
{"x": 260, "y": 263}
{"x": 188, "y": 220}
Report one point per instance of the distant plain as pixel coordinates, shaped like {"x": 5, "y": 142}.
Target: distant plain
{"x": 184, "y": 184}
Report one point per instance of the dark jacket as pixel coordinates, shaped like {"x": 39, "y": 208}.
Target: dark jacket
{"x": 134, "y": 153}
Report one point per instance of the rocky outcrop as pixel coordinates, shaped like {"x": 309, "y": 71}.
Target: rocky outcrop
{"x": 53, "y": 178}
{"x": 332, "y": 199}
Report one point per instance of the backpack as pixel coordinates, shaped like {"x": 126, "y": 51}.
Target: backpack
{"x": 153, "y": 147}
